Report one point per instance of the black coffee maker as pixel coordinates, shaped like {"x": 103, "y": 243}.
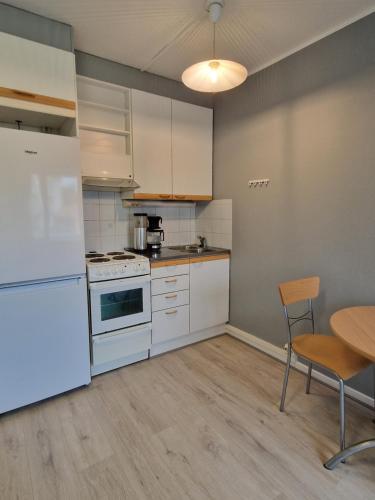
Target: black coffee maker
{"x": 155, "y": 234}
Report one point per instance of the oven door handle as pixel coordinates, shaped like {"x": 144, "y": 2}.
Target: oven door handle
{"x": 115, "y": 284}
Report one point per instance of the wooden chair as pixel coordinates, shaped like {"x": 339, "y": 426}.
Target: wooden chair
{"x": 322, "y": 350}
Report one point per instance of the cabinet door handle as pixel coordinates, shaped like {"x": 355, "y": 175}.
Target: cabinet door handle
{"x": 165, "y": 196}
{"x": 171, "y": 296}
{"x": 171, "y": 312}
{"x": 180, "y": 196}
{"x": 171, "y": 281}
{"x": 24, "y": 94}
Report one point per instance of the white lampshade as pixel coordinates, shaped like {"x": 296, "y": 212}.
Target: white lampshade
{"x": 215, "y": 75}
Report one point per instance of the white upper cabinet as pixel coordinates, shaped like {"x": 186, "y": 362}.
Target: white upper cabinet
{"x": 37, "y": 86}
{"x": 172, "y": 148}
{"x": 104, "y": 116}
{"x": 151, "y": 116}
{"x": 34, "y": 68}
{"x": 191, "y": 150}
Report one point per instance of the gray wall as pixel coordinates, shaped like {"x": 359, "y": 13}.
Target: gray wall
{"x": 40, "y": 29}
{"x": 308, "y": 124}
{"x": 109, "y": 71}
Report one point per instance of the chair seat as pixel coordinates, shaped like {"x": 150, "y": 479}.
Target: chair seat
{"x": 331, "y": 353}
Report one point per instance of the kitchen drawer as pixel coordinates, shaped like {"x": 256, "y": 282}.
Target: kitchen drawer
{"x": 169, "y": 324}
{"x": 175, "y": 270}
{"x": 168, "y": 300}
{"x": 169, "y": 284}
{"x": 120, "y": 344}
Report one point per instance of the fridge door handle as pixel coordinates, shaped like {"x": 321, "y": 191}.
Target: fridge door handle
{"x": 38, "y": 284}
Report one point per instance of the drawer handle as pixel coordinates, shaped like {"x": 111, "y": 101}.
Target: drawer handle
{"x": 171, "y": 312}
{"x": 171, "y": 296}
{"x": 171, "y": 281}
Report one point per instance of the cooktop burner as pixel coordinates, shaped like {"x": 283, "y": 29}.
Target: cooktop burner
{"x": 124, "y": 257}
{"x": 115, "y": 253}
{"x": 93, "y": 255}
{"x": 101, "y": 259}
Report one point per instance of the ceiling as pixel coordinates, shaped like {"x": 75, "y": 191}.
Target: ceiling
{"x": 166, "y": 36}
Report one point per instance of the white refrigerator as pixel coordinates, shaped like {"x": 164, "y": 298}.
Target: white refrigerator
{"x": 44, "y": 336}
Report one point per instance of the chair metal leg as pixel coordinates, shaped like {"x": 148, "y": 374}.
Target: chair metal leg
{"x": 286, "y": 377}
{"x": 308, "y": 381}
{"x": 348, "y": 452}
{"x": 342, "y": 414}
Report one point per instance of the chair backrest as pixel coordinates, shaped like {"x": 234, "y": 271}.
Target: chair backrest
{"x": 298, "y": 290}
{"x": 295, "y": 291}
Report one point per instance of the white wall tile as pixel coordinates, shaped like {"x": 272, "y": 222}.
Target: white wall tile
{"x": 107, "y": 212}
{"x": 92, "y": 243}
{"x": 90, "y": 211}
{"x": 106, "y": 198}
{"x": 90, "y": 196}
{"x": 122, "y": 227}
{"x": 184, "y": 225}
{"x": 91, "y": 228}
{"x": 214, "y": 222}
{"x": 107, "y": 228}
{"x": 108, "y": 243}
{"x": 184, "y": 213}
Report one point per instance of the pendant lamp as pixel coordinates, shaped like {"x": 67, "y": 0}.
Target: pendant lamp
{"x": 214, "y": 75}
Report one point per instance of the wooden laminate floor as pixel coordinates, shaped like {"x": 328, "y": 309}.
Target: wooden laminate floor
{"x": 198, "y": 423}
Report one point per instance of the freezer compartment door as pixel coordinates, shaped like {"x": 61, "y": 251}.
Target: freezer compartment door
{"x": 44, "y": 341}
{"x": 41, "y": 223}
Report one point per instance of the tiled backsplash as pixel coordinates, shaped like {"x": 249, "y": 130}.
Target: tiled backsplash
{"x": 109, "y": 226}
{"x": 214, "y": 221}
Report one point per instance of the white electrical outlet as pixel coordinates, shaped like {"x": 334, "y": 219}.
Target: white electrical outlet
{"x": 258, "y": 183}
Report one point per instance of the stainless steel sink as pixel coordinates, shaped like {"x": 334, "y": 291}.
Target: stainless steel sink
{"x": 201, "y": 250}
{"x": 192, "y": 249}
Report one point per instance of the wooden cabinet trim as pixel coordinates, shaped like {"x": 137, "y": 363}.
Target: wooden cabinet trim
{"x": 192, "y": 197}
{"x": 22, "y": 95}
{"x": 151, "y": 196}
{"x": 176, "y": 197}
{"x": 206, "y": 258}
{"x": 166, "y": 263}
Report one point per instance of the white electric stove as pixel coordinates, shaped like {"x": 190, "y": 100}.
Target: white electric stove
{"x": 120, "y": 307}
{"x": 115, "y": 265}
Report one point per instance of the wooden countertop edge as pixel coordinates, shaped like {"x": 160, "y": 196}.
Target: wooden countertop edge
{"x": 189, "y": 260}
{"x": 171, "y": 262}
{"x": 206, "y": 258}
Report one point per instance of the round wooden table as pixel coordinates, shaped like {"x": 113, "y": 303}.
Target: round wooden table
{"x": 356, "y": 327}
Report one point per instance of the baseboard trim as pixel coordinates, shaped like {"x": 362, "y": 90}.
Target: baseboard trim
{"x": 280, "y": 354}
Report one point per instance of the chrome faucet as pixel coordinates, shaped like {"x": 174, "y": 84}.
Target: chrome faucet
{"x": 202, "y": 241}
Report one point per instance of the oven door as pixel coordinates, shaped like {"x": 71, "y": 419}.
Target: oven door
{"x": 120, "y": 303}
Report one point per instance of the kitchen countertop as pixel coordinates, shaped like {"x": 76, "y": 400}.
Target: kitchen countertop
{"x": 172, "y": 253}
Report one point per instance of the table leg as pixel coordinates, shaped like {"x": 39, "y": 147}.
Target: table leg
{"x": 348, "y": 452}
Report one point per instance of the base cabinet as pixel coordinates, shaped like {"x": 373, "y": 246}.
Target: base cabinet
{"x": 209, "y": 293}
{"x": 190, "y": 301}
{"x": 170, "y": 323}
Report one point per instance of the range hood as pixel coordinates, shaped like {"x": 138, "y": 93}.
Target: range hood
{"x": 112, "y": 183}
